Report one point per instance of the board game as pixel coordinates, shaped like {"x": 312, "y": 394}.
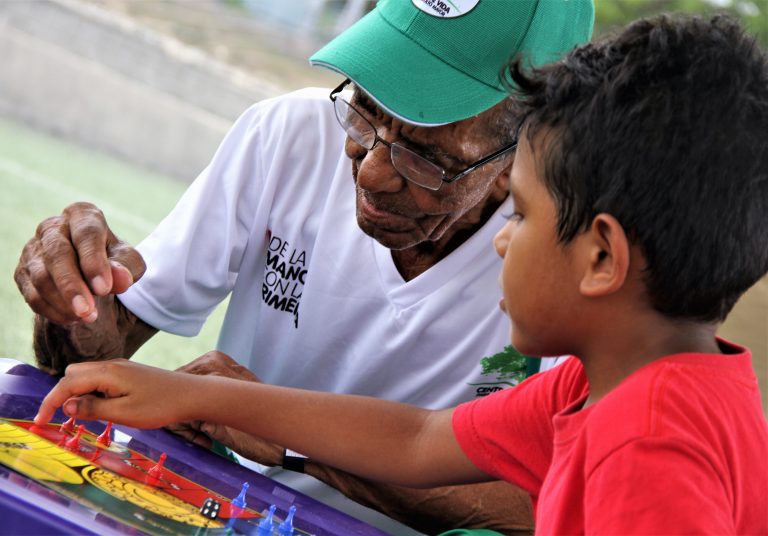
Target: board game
{"x": 92, "y": 477}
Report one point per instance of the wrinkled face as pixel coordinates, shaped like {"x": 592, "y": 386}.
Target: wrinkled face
{"x": 538, "y": 280}
{"x": 400, "y": 214}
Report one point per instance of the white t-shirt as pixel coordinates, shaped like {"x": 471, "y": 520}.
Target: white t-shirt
{"x": 315, "y": 303}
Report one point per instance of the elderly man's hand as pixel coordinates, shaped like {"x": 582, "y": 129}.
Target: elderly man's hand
{"x": 215, "y": 363}
{"x": 72, "y": 259}
{"x": 203, "y": 433}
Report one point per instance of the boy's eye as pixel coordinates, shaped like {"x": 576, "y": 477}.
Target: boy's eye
{"x": 512, "y": 216}
{"x": 509, "y": 210}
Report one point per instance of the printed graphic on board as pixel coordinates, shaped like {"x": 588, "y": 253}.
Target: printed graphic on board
{"x": 114, "y": 480}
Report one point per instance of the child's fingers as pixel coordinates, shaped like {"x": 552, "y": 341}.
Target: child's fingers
{"x": 115, "y": 390}
{"x": 79, "y": 379}
{"x": 53, "y": 400}
{"x": 126, "y": 410}
{"x": 91, "y": 408}
{"x": 45, "y": 412}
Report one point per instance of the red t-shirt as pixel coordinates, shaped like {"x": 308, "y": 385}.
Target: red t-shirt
{"x": 681, "y": 445}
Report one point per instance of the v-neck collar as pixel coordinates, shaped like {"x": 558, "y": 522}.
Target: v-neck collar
{"x": 478, "y": 248}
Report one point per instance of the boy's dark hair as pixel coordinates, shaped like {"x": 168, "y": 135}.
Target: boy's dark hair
{"x": 665, "y": 127}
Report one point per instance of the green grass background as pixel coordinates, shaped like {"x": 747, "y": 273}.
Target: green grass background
{"x": 39, "y": 176}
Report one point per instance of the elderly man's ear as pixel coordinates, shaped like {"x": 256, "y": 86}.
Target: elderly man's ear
{"x": 502, "y": 179}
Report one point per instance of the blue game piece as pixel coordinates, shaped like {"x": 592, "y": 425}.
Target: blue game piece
{"x": 286, "y": 527}
{"x": 238, "y": 505}
{"x": 239, "y": 501}
{"x": 266, "y": 525}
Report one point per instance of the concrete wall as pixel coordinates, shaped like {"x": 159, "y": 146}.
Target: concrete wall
{"x": 96, "y": 78}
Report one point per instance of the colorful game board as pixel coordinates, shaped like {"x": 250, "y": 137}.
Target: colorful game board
{"x": 134, "y": 481}
{"x": 112, "y": 479}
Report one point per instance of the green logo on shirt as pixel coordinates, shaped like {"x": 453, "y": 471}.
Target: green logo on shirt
{"x": 509, "y": 366}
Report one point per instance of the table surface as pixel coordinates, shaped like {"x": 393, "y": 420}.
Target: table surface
{"x": 38, "y": 506}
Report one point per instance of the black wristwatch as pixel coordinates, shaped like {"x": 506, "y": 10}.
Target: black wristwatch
{"x": 293, "y": 461}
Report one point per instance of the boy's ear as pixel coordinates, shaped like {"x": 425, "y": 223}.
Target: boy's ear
{"x": 607, "y": 250}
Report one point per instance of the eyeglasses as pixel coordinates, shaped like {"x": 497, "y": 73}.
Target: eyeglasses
{"x": 412, "y": 166}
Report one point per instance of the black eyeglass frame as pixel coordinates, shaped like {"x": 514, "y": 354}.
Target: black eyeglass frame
{"x": 472, "y": 167}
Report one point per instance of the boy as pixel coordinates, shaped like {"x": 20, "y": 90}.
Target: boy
{"x": 632, "y": 151}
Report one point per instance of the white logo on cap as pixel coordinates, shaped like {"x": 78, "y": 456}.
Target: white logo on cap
{"x": 446, "y": 8}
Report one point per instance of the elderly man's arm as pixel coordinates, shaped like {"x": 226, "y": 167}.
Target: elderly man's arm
{"x": 69, "y": 273}
{"x": 115, "y": 333}
{"x": 490, "y": 505}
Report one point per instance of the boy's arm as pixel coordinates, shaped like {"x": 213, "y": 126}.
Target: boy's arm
{"x": 375, "y": 439}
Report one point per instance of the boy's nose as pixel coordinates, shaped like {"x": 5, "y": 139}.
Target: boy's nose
{"x": 501, "y": 240}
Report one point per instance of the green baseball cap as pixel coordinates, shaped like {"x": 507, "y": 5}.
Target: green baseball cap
{"x": 431, "y": 62}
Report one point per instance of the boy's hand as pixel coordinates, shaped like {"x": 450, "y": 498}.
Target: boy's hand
{"x": 118, "y": 390}
{"x": 201, "y": 433}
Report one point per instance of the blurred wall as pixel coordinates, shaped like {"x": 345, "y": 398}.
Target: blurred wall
{"x": 748, "y": 324}
{"x": 94, "y": 77}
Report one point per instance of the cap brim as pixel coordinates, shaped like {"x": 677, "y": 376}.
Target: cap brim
{"x": 404, "y": 79}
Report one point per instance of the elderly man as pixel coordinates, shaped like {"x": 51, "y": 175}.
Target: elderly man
{"x": 395, "y": 305}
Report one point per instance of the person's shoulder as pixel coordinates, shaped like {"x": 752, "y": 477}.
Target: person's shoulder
{"x": 673, "y": 396}
{"x": 300, "y": 101}
{"x": 307, "y": 95}
{"x": 301, "y": 118}
{"x": 560, "y": 386}
{"x": 566, "y": 378}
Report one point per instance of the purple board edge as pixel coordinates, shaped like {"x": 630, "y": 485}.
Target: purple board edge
{"x": 22, "y": 388}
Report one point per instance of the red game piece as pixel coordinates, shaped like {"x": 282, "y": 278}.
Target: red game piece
{"x": 74, "y": 442}
{"x": 68, "y": 426}
{"x": 65, "y": 428}
{"x": 105, "y": 438}
{"x": 156, "y": 471}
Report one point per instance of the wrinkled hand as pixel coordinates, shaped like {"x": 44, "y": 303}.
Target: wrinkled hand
{"x": 248, "y": 446}
{"x": 215, "y": 363}
{"x": 71, "y": 259}
{"x": 203, "y": 433}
